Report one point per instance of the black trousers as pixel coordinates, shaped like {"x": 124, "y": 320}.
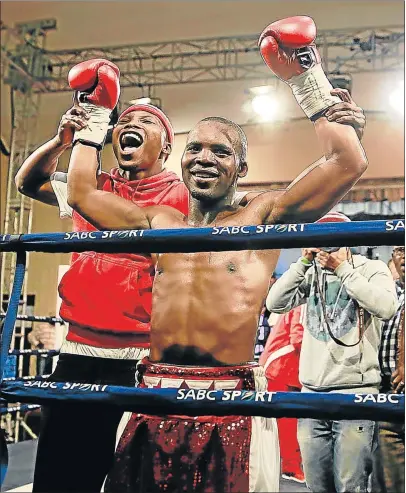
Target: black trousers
{"x": 77, "y": 441}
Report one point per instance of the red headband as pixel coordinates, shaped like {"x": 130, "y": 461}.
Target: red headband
{"x": 334, "y": 217}
{"x": 154, "y": 111}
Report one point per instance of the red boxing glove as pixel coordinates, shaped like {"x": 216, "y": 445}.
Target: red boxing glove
{"x": 287, "y": 48}
{"x": 97, "y": 81}
{"x": 280, "y": 45}
{"x": 292, "y": 32}
{"x": 97, "y": 87}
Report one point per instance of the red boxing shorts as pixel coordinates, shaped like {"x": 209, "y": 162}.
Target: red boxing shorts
{"x": 205, "y": 454}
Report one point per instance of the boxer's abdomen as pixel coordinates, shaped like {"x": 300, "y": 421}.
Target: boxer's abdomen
{"x": 209, "y": 302}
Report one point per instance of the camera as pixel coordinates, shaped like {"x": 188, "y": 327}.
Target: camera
{"x": 330, "y": 249}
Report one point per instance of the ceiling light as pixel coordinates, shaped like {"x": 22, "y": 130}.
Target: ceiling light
{"x": 260, "y": 90}
{"x": 265, "y": 106}
{"x": 397, "y": 98}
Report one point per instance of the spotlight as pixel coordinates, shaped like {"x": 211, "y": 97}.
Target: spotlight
{"x": 265, "y": 106}
{"x": 397, "y": 98}
{"x": 260, "y": 90}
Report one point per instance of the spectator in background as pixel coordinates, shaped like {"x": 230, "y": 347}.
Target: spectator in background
{"x": 263, "y": 332}
{"x": 393, "y": 270}
{"x": 42, "y": 336}
{"x": 392, "y": 360}
{"x": 346, "y": 296}
{"x": 280, "y": 360}
{"x": 266, "y": 322}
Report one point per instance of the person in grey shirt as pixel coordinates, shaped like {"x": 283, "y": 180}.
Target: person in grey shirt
{"x": 347, "y": 296}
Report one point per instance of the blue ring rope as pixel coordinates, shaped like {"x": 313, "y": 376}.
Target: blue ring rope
{"x": 385, "y": 407}
{"x": 36, "y": 318}
{"x": 23, "y": 408}
{"x": 34, "y": 352}
{"x": 10, "y": 318}
{"x": 233, "y": 238}
{"x": 5, "y": 341}
{"x": 27, "y": 377}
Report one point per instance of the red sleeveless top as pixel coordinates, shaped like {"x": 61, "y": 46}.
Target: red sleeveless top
{"x": 106, "y": 298}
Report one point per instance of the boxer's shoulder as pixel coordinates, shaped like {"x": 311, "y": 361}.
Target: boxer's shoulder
{"x": 249, "y": 196}
{"x": 165, "y": 216}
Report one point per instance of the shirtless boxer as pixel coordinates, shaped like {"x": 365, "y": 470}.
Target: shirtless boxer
{"x": 108, "y": 326}
{"x": 64, "y": 460}
{"x": 231, "y": 453}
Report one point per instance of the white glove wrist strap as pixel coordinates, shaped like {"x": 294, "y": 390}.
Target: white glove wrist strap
{"x": 312, "y": 91}
{"x": 97, "y": 125}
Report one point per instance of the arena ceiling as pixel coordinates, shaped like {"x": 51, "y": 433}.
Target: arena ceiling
{"x": 108, "y": 23}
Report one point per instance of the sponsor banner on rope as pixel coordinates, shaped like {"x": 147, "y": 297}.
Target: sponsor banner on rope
{"x": 395, "y": 225}
{"x": 97, "y": 235}
{"x": 66, "y": 386}
{"x": 261, "y": 228}
{"x": 225, "y": 395}
{"x": 378, "y": 398}
{"x": 238, "y": 395}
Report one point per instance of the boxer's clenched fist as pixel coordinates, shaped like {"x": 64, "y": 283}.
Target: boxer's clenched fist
{"x": 97, "y": 89}
{"x": 287, "y": 47}
{"x": 97, "y": 82}
{"x": 74, "y": 119}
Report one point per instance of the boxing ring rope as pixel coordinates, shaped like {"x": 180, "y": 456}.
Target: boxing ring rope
{"x": 174, "y": 401}
{"x": 217, "y": 239}
{"x": 22, "y": 408}
{"x": 34, "y": 352}
{"x": 26, "y": 377}
{"x": 213, "y": 402}
{"x": 37, "y": 318}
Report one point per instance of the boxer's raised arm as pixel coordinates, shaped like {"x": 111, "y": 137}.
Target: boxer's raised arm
{"x": 325, "y": 184}
{"x": 33, "y": 178}
{"x": 347, "y": 113}
{"x": 97, "y": 84}
{"x": 287, "y": 48}
{"x": 104, "y": 210}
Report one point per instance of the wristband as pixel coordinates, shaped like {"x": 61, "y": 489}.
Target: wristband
{"x": 97, "y": 147}
{"x": 306, "y": 261}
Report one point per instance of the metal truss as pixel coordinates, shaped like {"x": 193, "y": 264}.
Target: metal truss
{"x": 215, "y": 59}
{"x": 26, "y": 40}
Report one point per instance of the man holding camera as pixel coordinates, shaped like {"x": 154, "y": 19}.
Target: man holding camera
{"x": 346, "y": 295}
